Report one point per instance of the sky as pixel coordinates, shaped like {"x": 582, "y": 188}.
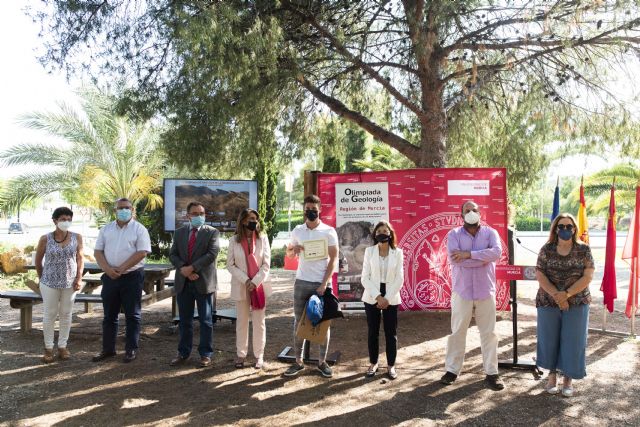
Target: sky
{"x": 28, "y": 87}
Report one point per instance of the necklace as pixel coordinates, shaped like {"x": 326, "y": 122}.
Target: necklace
{"x": 65, "y": 237}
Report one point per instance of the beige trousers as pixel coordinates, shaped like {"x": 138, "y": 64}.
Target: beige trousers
{"x": 244, "y": 313}
{"x": 461, "y": 312}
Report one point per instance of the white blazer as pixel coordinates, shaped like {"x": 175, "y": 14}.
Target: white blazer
{"x": 371, "y": 275}
{"x": 237, "y": 266}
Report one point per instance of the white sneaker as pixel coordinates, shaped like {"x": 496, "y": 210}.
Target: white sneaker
{"x": 567, "y": 391}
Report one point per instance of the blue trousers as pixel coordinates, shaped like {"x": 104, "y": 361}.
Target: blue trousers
{"x": 186, "y": 300}
{"x": 125, "y": 291}
{"x": 562, "y": 339}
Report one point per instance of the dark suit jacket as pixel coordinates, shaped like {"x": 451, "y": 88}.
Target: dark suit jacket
{"x": 203, "y": 258}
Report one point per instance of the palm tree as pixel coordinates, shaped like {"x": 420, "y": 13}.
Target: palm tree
{"x": 103, "y": 156}
{"x": 627, "y": 177}
{"x": 383, "y": 158}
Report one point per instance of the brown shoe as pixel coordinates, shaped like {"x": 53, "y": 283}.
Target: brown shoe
{"x": 204, "y": 362}
{"x": 63, "y": 353}
{"x": 48, "y": 356}
{"x": 178, "y": 360}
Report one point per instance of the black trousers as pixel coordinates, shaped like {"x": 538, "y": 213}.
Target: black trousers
{"x": 390, "y": 322}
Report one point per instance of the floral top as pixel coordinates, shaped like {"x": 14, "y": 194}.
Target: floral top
{"x": 563, "y": 271}
{"x": 59, "y": 269}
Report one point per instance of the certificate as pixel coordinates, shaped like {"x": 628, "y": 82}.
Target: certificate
{"x": 315, "y": 249}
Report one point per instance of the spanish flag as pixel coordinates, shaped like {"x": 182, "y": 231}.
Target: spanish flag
{"x": 583, "y": 225}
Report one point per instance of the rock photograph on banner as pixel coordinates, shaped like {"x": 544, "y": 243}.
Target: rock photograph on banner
{"x": 359, "y": 207}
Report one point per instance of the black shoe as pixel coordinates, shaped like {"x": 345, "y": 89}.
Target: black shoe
{"x": 494, "y": 382}
{"x": 448, "y": 378}
{"x": 103, "y": 355}
{"x": 130, "y": 356}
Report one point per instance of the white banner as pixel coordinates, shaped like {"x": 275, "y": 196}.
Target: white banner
{"x": 468, "y": 187}
{"x": 362, "y": 201}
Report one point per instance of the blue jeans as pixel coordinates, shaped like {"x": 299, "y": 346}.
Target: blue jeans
{"x": 125, "y": 291}
{"x": 562, "y": 339}
{"x": 186, "y": 301}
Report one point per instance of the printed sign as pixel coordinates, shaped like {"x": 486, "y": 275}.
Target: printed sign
{"x": 456, "y": 187}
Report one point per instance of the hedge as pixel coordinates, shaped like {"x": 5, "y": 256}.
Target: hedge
{"x": 531, "y": 223}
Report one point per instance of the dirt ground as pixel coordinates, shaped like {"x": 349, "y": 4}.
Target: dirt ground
{"x": 149, "y": 392}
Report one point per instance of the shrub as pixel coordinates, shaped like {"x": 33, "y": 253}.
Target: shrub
{"x": 282, "y": 220}
{"x": 531, "y": 223}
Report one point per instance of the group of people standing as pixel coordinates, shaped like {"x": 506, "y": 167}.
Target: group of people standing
{"x": 564, "y": 270}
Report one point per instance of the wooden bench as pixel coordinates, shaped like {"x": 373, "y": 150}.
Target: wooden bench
{"x": 25, "y": 300}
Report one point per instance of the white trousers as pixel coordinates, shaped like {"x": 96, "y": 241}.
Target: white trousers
{"x": 56, "y": 302}
{"x": 243, "y": 313}
{"x": 461, "y": 312}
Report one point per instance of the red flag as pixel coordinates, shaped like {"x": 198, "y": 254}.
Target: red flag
{"x": 608, "y": 286}
{"x": 631, "y": 252}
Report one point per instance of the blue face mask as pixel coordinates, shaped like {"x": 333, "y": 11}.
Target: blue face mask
{"x": 123, "y": 215}
{"x": 197, "y": 221}
{"x": 565, "y": 234}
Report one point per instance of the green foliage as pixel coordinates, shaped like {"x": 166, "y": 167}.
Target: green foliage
{"x": 267, "y": 178}
{"x": 153, "y": 220}
{"x": 221, "y": 260}
{"x": 106, "y": 157}
{"x": 282, "y": 220}
{"x": 597, "y": 189}
{"x": 530, "y": 223}
{"x": 227, "y": 74}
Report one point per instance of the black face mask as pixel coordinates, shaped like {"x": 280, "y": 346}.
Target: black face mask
{"x": 252, "y": 225}
{"x": 311, "y": 214}
{"x": 382, "y": 238}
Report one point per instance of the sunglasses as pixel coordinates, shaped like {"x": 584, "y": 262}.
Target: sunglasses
{"x": 565, "y": 226}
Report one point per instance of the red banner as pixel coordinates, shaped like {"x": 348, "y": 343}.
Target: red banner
{"x": 422, "y": 205}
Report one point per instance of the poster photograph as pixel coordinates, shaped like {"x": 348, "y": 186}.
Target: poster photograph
{"x": 359, "y": 207}
{"x": 223, "y": 201}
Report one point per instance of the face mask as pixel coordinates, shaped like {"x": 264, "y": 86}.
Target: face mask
{"x": 472, "y": 217}
{"x": 197, "y": 221}
{"x": 124, "y": 215}
{"x": 382, "y": 238}
{"x": 252, "y": 225}
{"x": 565, "y": 234}
{"x": 311, "y": 214}
{"x": 64, "y": 225}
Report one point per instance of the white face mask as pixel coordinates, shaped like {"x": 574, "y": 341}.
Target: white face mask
{"x": 64, "y": 225}
{"x": 472, "y": 217}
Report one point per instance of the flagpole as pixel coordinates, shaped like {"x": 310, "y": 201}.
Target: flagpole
{"x": 604, "y": 318}
{"x": 634, "y": 284}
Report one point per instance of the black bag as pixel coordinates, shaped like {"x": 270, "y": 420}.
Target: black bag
{"x": 332, "y": 308}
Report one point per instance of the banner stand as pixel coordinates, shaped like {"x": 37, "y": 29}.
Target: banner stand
{"x": 527, "y": 365}
{"x": 284, "y": 355}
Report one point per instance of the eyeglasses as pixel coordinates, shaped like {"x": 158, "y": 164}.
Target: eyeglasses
{"x": 565, "y": 226}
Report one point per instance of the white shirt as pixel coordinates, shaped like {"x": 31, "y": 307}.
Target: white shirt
{"x": 384, "y": 266}
{"x": 313, "y": 271}
{"x": 119, "y": 243}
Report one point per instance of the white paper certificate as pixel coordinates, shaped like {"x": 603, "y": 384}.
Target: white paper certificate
{"x": 315, "y": 249}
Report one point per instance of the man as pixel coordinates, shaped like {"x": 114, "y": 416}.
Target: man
{"x": 120, "y": 252}
{"x": 193, "y": 254}
{"x": 473, "y": 250}
{"x": 312, "y": 277}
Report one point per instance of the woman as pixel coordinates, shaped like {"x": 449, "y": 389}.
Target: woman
{"x": 564, "y": 270}
{"x": 60, "y": 276}
{"x": 382, "y": 278}
{"x": 248, "y": 261}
